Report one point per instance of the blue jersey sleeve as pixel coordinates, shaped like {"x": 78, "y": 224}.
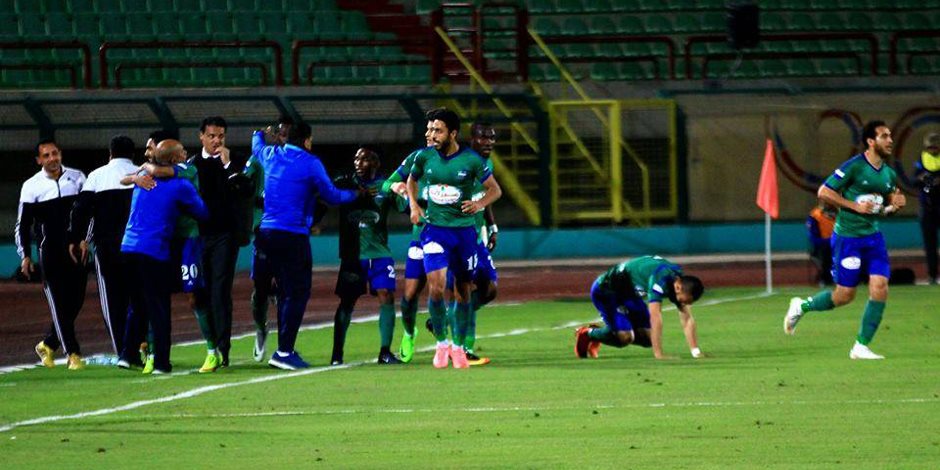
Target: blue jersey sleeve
{"x": 264, "y": 153}
{"x": 191, "y": 202}
{"x": 328, "y": 191}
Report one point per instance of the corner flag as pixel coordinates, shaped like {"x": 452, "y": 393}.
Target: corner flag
{"x": 767, "y": 198}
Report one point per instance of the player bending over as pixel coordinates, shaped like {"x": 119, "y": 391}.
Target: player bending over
{"x": 618, "y": 296}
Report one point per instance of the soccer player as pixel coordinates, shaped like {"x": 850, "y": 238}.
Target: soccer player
{"x": 449, "y": 172}
{"x": 618, "y": 296}
{"x": 261, "y": 275}
{"x": 365, "y": 256}
{"x": 859, "y": 188}
{"x": 101, "y": 214}
{"x": 294, "y": 180}
{"x": 46, "y": 201}
{"x": 415, "y": 278}
{"x": 146, "y": 246}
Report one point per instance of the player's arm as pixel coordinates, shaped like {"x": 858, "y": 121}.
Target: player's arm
{"x": 896, "y": 201}
{"x": 829, "y": 195}
{"x": 493, "y": 192}
{"x": 656, "y": 329}
{"x": 688, "y": 328}
{"x": 417, "y": 213}
{"x": 23, "y": 236}
{"x": 328, "y": 191}
{"x": 192, "y": 203}
{"x": 81, "y": 225}
{"x": 491, "y": 228}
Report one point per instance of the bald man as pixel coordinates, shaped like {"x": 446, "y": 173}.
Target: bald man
{"x": 146, "y": 246}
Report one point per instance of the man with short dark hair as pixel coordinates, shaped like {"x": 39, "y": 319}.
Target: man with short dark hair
{"x": 46, "y": 201}
{"x": 294, "y": 180}
{"x": 100, "y": 215}
{"x": 864, "y": 188}
{"x": 450, "y": 172}
{"x": 618, "y": 296}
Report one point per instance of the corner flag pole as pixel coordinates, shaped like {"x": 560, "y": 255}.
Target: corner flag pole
{"x": 768, "y": 200}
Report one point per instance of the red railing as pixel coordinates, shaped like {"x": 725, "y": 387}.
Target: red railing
{"x": 298, "y": 45}
{"x": 54, "y": 65}
{"x": 274, "y": 45}
{"x": 620, "y": 38}
{"x": 717, "y": 38}
{"x": 893, "y": 47}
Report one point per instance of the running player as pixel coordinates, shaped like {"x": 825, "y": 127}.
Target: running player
{"x": 364, "y": 254}
{"x": 618, "y": 296}
{"x": 449, "y": 239}
{"x": 859, "y": 187}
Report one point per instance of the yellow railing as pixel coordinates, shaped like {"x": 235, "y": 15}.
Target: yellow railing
{"x": 507, "y": 179}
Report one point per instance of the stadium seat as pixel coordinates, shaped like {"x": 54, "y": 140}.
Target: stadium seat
{"x": 833, "y": 67}
{"x": 802, "y": 67}
{"x": 574, "y": 26}
{"x": 681, "y": 5}
{"x": 113, "y": 27}
{"x": 86, "y": 27}
{"x": 917, "y": 21}
{"x": 300, "y": 25}
{"x": 27, "y": 7}
{"x": 888, "y": 22}
{"x": 53, "y": 6}
{"x": 162, "y": 6}
{"x": 831, "y": 21}
{"x": 609, "y": 49}
{"x": 247, "y": 25}
{"x": 167, "y": 27}
{"x": 772, "y": 22}
{"x": 547, "y": 27}
{"x": 193, "y": 27}
{"x": 603, "y": 25}
{"x": 32, "y": 25}
{"x": 327, "y": 25}
{"x": 631, "y": 25}
{"x": 714, "y": 22}
{"x": 922, "y": 65}
{"x": 605, "y": 71}
{"x": 242, "y": 5}
{"x": 354, "y": 24}
{"x": 599, "y": 6}
{"x": 687, "y": 23}
{"x": 220, "y": 26}
{"x": 773, "y": 68}
{"x": 59, "y": 27}
{"x": 658, "y": 24}
{"x": 859, "y": 21}
{"x": 570, "y": 6}
{"x": 801, "y": 22}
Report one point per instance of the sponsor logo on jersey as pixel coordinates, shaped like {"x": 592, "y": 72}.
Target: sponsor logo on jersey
{"x": 443, "y": 194}
{"x": 364, "y": 218}
{"x": 461, "y": 175}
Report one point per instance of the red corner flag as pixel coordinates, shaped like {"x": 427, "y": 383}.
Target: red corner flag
{"x": 767, "y": 198}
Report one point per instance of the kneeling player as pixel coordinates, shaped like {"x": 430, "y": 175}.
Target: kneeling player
{"x": 618, "y": 296}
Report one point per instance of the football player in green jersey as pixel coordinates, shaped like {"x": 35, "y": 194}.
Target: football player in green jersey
{"x": 364, "y": 254}
{"x": 618, "y": 296}
{"x": 865, "y": 189}
{"x": 448, "y": 240}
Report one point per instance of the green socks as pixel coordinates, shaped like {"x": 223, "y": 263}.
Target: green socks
{"x": 820, "y": 302}
{"x": 605, "y": 336}
{"x": 409, "y": 315}
{"x": 452, "y": 318}
{"x": 386, "y": 324}
{"x": 438, "y": 319}
{"x": 874, "y": 310}
{"x": 462, "y": 314}
{"x": 340, "y": 325}
{"x": 205, "y": 327}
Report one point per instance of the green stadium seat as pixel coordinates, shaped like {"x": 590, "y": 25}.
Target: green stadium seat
{"x": 535, "y": 6}
{"x": 831, "y": 21}
{"x": 603, "y": 25}
{"x": 167, "y": 28}
{"x": 113, "y": 27}
{"x": 81, "y": 6}
{"x": 681, "y": 5}
{"x": 598, "y": 6}
{"x": 626, "y": 5}
{"x": 714, "y": 22}
{"x": 710, "y": 4}
{"x": 631, "y": 25}
{"x": 242, "y": 5}
{"x": 825, "y": 4}
{"x": 215, "y": 6}
{"x": 300, "y": 25}
{"x": 859, "y": 21}
{"x": 795, "y": 4}
{"x": 609, "y": 49}
{"x": 801, "y": 22}
{"x": 574, "y": 26}
{"x": 833, "y": 67}
{"x": 917, "y": 21}
{"x": 423, "y": 7}
{"x": 27, "y": 7}
{"x": 922, "y": 65}
{"x": 536, "y": 73}
{"x": 193, "y": 27}
{"x": 32, "y": 26}
{"x": 86, "y": 27}
{"x": 274, "y": 26}
{"x": 135, "y": 6}
{"x": 108, "y": 6}
{"x": 773, "y": 68}
{"x": 802, "y": 67}
{"x": 747, "y": 69}
{"x": 59, "y": 27}
{"x": 547, "y": 27}
{"x": 9, "y": 26}
{"x": 247, "y": 25}
{"x": 354, "y": 24}
{"x": 888, "y": 22}
{"x": 220, "y": 26}
{"x": 652, "y": 5}
{"x": 162, "y": 6}
{"x": 8, "y": 6}
{"x": 570, "y": 6}
{"x": 635, "y": 71}
{"x": 658, "y": 24}
{"x": 605, "y": 71}
{"x": 327, "y": 26}
{"x": 772, "y": 22}
{"x": 579, "y": 50}
{"x": 687, "y": 23}
{"x": 368, "y": 73}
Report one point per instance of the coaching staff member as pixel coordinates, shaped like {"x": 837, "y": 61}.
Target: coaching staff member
{"x": 100, "y": 213}
{"x": 46, "y": 201}
{"x": 294, "y": 180}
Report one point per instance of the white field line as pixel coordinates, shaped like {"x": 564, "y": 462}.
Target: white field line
{"x": 276, "y": 376}
{"x": 511, "y": 409}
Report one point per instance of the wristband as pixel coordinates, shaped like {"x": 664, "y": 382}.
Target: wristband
{"x": 492, "y": 229}
{"x": 696, "y": 353}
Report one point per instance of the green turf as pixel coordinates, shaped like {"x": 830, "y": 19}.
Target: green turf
{"x": 760, "y": 400}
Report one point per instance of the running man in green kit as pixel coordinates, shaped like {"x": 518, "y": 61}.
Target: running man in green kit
{"x": 365, "y": 258}
{"x": 618, "y": 296}
{"x": 860, "y": 188}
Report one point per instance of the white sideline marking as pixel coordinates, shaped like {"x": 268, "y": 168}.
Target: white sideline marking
{"x": 509, "y": 409}
{"x": 270, "y": 378}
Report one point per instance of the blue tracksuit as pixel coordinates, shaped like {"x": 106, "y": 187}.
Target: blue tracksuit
{"x": 146, "y": 247}
{"x": 293, "y": 182}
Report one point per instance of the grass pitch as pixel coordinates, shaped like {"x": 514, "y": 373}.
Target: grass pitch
{"x": 760, "y": 399}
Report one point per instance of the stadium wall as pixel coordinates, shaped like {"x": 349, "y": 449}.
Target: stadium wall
{"x": 540, "y": 244}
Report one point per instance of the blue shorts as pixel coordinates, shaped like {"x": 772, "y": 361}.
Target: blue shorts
{"x": 379, "y": 273}
{"x": 454, "y": 248}
{"x": 852, "y": 256}
{"x": 618, "y": 313}
{"x": 414, "y": 265}
{"x": 187, "y": 254}
{"x": 486, "y": 269}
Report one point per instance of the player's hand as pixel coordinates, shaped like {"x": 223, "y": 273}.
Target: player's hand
{"x": 898, "y": 200}
{"x": 417, "y": 214}
{"x": 148, "y": 168}
{"x": 27, "y": 267}
{"x": 315, "y": 230}
{"x": 83, "y": 248}
{"x": 399, "y": 189}
{"x": 471, "y": 207}
{"x": 865, "y": 207}
{"x": 145, "y": 182}
{"x": 225, "y": 154}
{"x": 491, "y": 243}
